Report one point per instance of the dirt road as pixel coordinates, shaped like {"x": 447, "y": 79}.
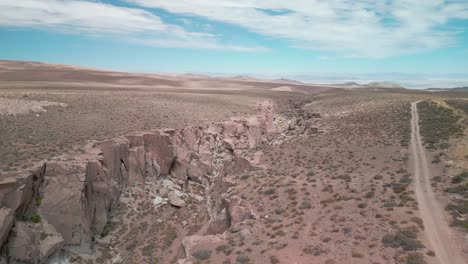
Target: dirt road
{"x": 437, "y": 231}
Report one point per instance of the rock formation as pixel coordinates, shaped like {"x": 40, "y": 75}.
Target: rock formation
{"x": 67, "y": 202}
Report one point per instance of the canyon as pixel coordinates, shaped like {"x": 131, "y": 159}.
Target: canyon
{"x": 70, "y": 198}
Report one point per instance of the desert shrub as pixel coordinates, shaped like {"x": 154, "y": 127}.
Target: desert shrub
{"x": 305, "y": 205}
{"x": 269, "y": 192}
{"x": 202, "y": 254}
{"x": 404, "y": 238}
{"x": 460, "y": 177}
{"x": 415, "y": 258}
{"x": 242, "y": 259}
{"x": 345, "y": 177}
{"x": 221, "y": 248}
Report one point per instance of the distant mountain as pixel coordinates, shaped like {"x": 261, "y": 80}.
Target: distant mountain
{"x": 384, "y": 85}
{"x": 372, "y": 85}
{"x": 284, "y": 80}
{"x": 455, "y": 89}
{"x": 463, "y": 89}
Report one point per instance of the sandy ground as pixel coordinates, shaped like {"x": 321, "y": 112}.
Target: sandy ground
{"x": 437, "y": 230}
{"x": 18, "y": 107}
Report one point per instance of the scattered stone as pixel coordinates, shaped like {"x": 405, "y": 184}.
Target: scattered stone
{"x": 175, "y": 200}
{"x": 157, "y": 200}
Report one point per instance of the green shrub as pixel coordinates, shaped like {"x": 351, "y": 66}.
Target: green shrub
{"x": 36, "y": 218}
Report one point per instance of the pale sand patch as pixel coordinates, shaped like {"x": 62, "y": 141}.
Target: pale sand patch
{"x": 283, "y": 89}
{"x": 19, "y": 107}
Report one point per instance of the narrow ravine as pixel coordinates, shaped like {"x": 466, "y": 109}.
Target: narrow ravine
{"x": 437, "y": 230}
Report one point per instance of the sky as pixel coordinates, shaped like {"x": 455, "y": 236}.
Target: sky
{"x": 414, "y": 42}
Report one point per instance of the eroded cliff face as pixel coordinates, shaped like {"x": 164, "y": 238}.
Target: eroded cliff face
{"x": 66, "y": 203}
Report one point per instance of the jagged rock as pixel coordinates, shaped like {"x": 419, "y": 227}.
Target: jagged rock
{"x": 205, "y": 159}
{"x": 19, "y": 199}
{"x": 33, "y": 243}
{"x": 115, "y": 154}
{"x": 6, "y": 186}
{"x": 236, "y": 212}
{"x": 136, "y": 166}
{"x": 220, "y": 224}
{"x": 159, "y": 148}
{"x": 96, "y": 201}
{"x": 22, "y": 244}
{"x": 192, "y": 135}
{"x": 239, "y": 214}
{"x": 52, "y": 242}
{"x": 229, "y": 143}
{"x": 254, "y": 132}
{"x": 194, "y": 171}
{"x": 239, "y": 165}
{"x": 175, "y": 200}
{"x": 152, "y": 168}
{"x": 135, "y": 141}
{"x": 61, "y": 200}
{"x": 180, "y": 169}
{"x": 6, "y": 222}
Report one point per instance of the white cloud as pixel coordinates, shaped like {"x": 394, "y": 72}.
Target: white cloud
{"x": 366, "y": 28}
{"x": 97, "y": 18}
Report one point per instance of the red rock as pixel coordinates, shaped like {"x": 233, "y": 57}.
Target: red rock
{"x": 96, "y": 200}
{"x": 6, "y": 222}
{"x": 159, "y": 148}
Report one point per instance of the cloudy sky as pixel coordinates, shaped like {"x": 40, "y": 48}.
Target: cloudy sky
{"x": 284, "y": 37}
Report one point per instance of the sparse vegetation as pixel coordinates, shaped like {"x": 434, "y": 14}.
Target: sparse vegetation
{"x": 404, "y": 238}
{"x": 438, "y": 124}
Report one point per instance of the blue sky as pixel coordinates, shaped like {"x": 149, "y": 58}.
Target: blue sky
{"x": 308, "y": 39}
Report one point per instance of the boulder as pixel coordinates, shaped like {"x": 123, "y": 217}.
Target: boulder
{"x": 239, "y": 165}
{"x": 175, "y": 200}
{"x": 219, "y": 224}
{"x": 237, "y": 212}
{"x": 22, "y": 244}
{"x": 52, "y": 242}
{"x": 180, "y": 169}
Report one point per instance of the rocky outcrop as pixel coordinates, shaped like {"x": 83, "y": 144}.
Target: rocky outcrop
{"x": 75, "y": 195}
{"x": 6, "y": 223}
{"x": 28, "y": 245}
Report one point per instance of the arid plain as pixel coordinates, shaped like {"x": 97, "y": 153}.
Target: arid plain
{"x": 111, "y": 167}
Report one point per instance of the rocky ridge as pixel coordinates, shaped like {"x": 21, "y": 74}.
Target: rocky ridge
{"x": 64, "y": 205}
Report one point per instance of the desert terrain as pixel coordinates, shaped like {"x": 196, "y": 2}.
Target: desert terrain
{"x": 101, "y": 166}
